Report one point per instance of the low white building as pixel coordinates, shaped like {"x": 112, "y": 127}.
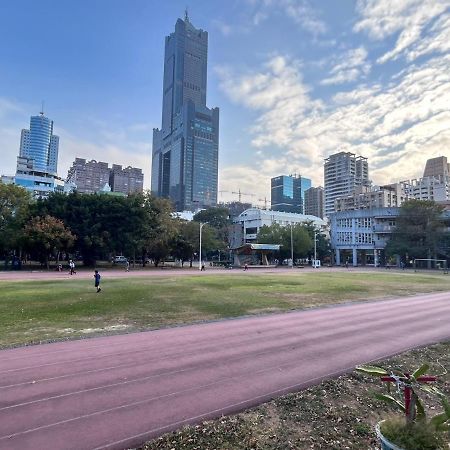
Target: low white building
{"x": 247, "y": 225}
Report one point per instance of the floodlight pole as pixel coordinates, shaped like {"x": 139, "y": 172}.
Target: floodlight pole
{"x": 200, "y": 249}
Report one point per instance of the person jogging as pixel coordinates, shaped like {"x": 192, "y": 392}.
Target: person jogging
{"x": 97, "y": 281}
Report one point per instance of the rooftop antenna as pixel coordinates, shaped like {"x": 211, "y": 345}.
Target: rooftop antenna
{"x": 186, "y": 15}
{"x": 42, "y": 108}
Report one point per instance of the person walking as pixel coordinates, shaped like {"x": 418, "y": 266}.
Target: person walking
{"x": 97, "y": 278}
{"x": 127, "y": 265}
{"x": 72, "y": 267}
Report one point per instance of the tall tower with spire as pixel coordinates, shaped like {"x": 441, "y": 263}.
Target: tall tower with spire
{"x": 185, "y": 149}
{"x": 37, "y": 163}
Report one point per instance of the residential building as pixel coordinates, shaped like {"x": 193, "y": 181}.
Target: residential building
{"x": 88, "y": 177}
{"x": 363, "y": 197}
{"x": 247, "y": 225}
{"x": 435, "y": 188}
{"x": 288, "y": 193}
{"x": 37, "y": 162}
{"x": 437, "y": 167}
{"x": 343, "y": 172}
{"x": 127, "y": 181}
{"x": 314, "y": 201}
{"x": 185, "y": 149}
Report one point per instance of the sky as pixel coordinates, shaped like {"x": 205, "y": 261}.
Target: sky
{"x": 295, "y": 81}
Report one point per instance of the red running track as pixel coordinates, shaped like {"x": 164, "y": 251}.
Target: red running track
{"x": 116, "y": 392}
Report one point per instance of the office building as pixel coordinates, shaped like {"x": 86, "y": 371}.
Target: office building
{"x": 246, "y": 226}
{"x": 288, "y": 193}
{"x": 343, "y": 172}
{"x": 185, "y": 149}
{"x": 89, "y": 177}
{"x": 314, "y": 201}
{"x": 37, "y": 163}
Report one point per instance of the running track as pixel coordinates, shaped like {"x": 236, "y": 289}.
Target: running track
{"x": 115, "y": 392}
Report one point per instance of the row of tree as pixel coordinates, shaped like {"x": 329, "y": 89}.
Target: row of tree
{"x": 95, "y": 227}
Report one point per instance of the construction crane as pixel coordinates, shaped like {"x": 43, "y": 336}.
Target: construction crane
{"x": 239, "y": 193}
{"x": 265, "y": 201}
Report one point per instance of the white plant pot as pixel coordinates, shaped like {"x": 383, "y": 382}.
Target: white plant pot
{"x": 385, "y": 443}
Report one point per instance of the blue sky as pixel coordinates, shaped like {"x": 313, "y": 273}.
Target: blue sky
{"x": 295, "y": 81}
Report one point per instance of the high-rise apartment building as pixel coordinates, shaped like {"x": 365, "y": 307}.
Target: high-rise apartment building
{"x": 89, "y": 177}
{"x": 185, "y": 149}
{"x": 343, "y": 172}
{"x": 37, "y": 163}
{"x": 314, "y": 201}
{"x": 288, "y": 193}
{"x": 129, "y": 180}
{"x": 437, "y": 167}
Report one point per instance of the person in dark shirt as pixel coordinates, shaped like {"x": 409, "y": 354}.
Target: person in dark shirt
{"x": 97, "y": 280}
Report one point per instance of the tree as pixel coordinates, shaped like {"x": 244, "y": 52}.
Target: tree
{"x": 158, "y": 230}
{"x": 46, "y": 237}
{"x": 104, "y": 225}
{"x": 14, "y": 210}
{"x": 276, "y": 234}
{"x": 218, "y": 220}
{"x": 418, "y": 231}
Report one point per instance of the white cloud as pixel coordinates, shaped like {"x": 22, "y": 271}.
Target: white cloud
{"x": 409, "y": 18}
{"x": 300, "y": 11}
{"x": 353, "y": 64}
{"x": 397, "y": 126}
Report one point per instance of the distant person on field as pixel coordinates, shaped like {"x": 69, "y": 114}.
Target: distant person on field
{"x": 72, "y": 267}
{"x": 97, "y": 281}
{"x": 127, "y": 265}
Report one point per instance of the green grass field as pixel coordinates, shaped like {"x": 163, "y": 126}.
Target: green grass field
{"x": 35, "y": 311}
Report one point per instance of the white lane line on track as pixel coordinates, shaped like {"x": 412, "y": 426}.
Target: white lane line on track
{"x": 173, "y": 372}
{"x": 140, "y": 402}
{"x": 276, "y": 368}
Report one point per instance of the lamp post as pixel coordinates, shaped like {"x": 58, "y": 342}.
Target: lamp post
{"x": 200, "y": 249}
{"x": 292, "y": 249}
{"x": 315, "y": 248}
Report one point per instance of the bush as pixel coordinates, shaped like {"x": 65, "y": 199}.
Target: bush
{"x": 420, "y": 435}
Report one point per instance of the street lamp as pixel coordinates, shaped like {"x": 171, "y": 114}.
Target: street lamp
{"x": 315, "y": 248}
{"x": 200, "y": 250}
{"x": 292, "y": 250}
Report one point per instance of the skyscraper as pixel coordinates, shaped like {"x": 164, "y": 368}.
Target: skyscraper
{"x": 343, "y": 171}
{"x": 37, "y": 163}
{"x": 40, "y": 144}
{"x": 288, "y": 193}
{"x": 185, "y": 149}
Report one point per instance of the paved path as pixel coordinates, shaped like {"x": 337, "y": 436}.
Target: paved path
{"x": 116, "y": 392}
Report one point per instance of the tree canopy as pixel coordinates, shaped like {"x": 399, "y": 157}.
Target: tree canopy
{"x": 419, "y": 230}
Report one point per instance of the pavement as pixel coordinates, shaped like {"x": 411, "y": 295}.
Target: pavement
{"x": 116, "y": 392}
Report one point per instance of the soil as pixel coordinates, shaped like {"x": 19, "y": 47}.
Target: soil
{"x": 337, "y": 414}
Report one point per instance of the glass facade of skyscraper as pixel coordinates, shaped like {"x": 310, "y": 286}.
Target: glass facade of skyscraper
{"x": 37, "y": 163}
{"x": 288, "y": 193}
{"x": 185, "y": 149}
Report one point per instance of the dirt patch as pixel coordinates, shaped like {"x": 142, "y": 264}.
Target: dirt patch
{"x": 337, "y": 414}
